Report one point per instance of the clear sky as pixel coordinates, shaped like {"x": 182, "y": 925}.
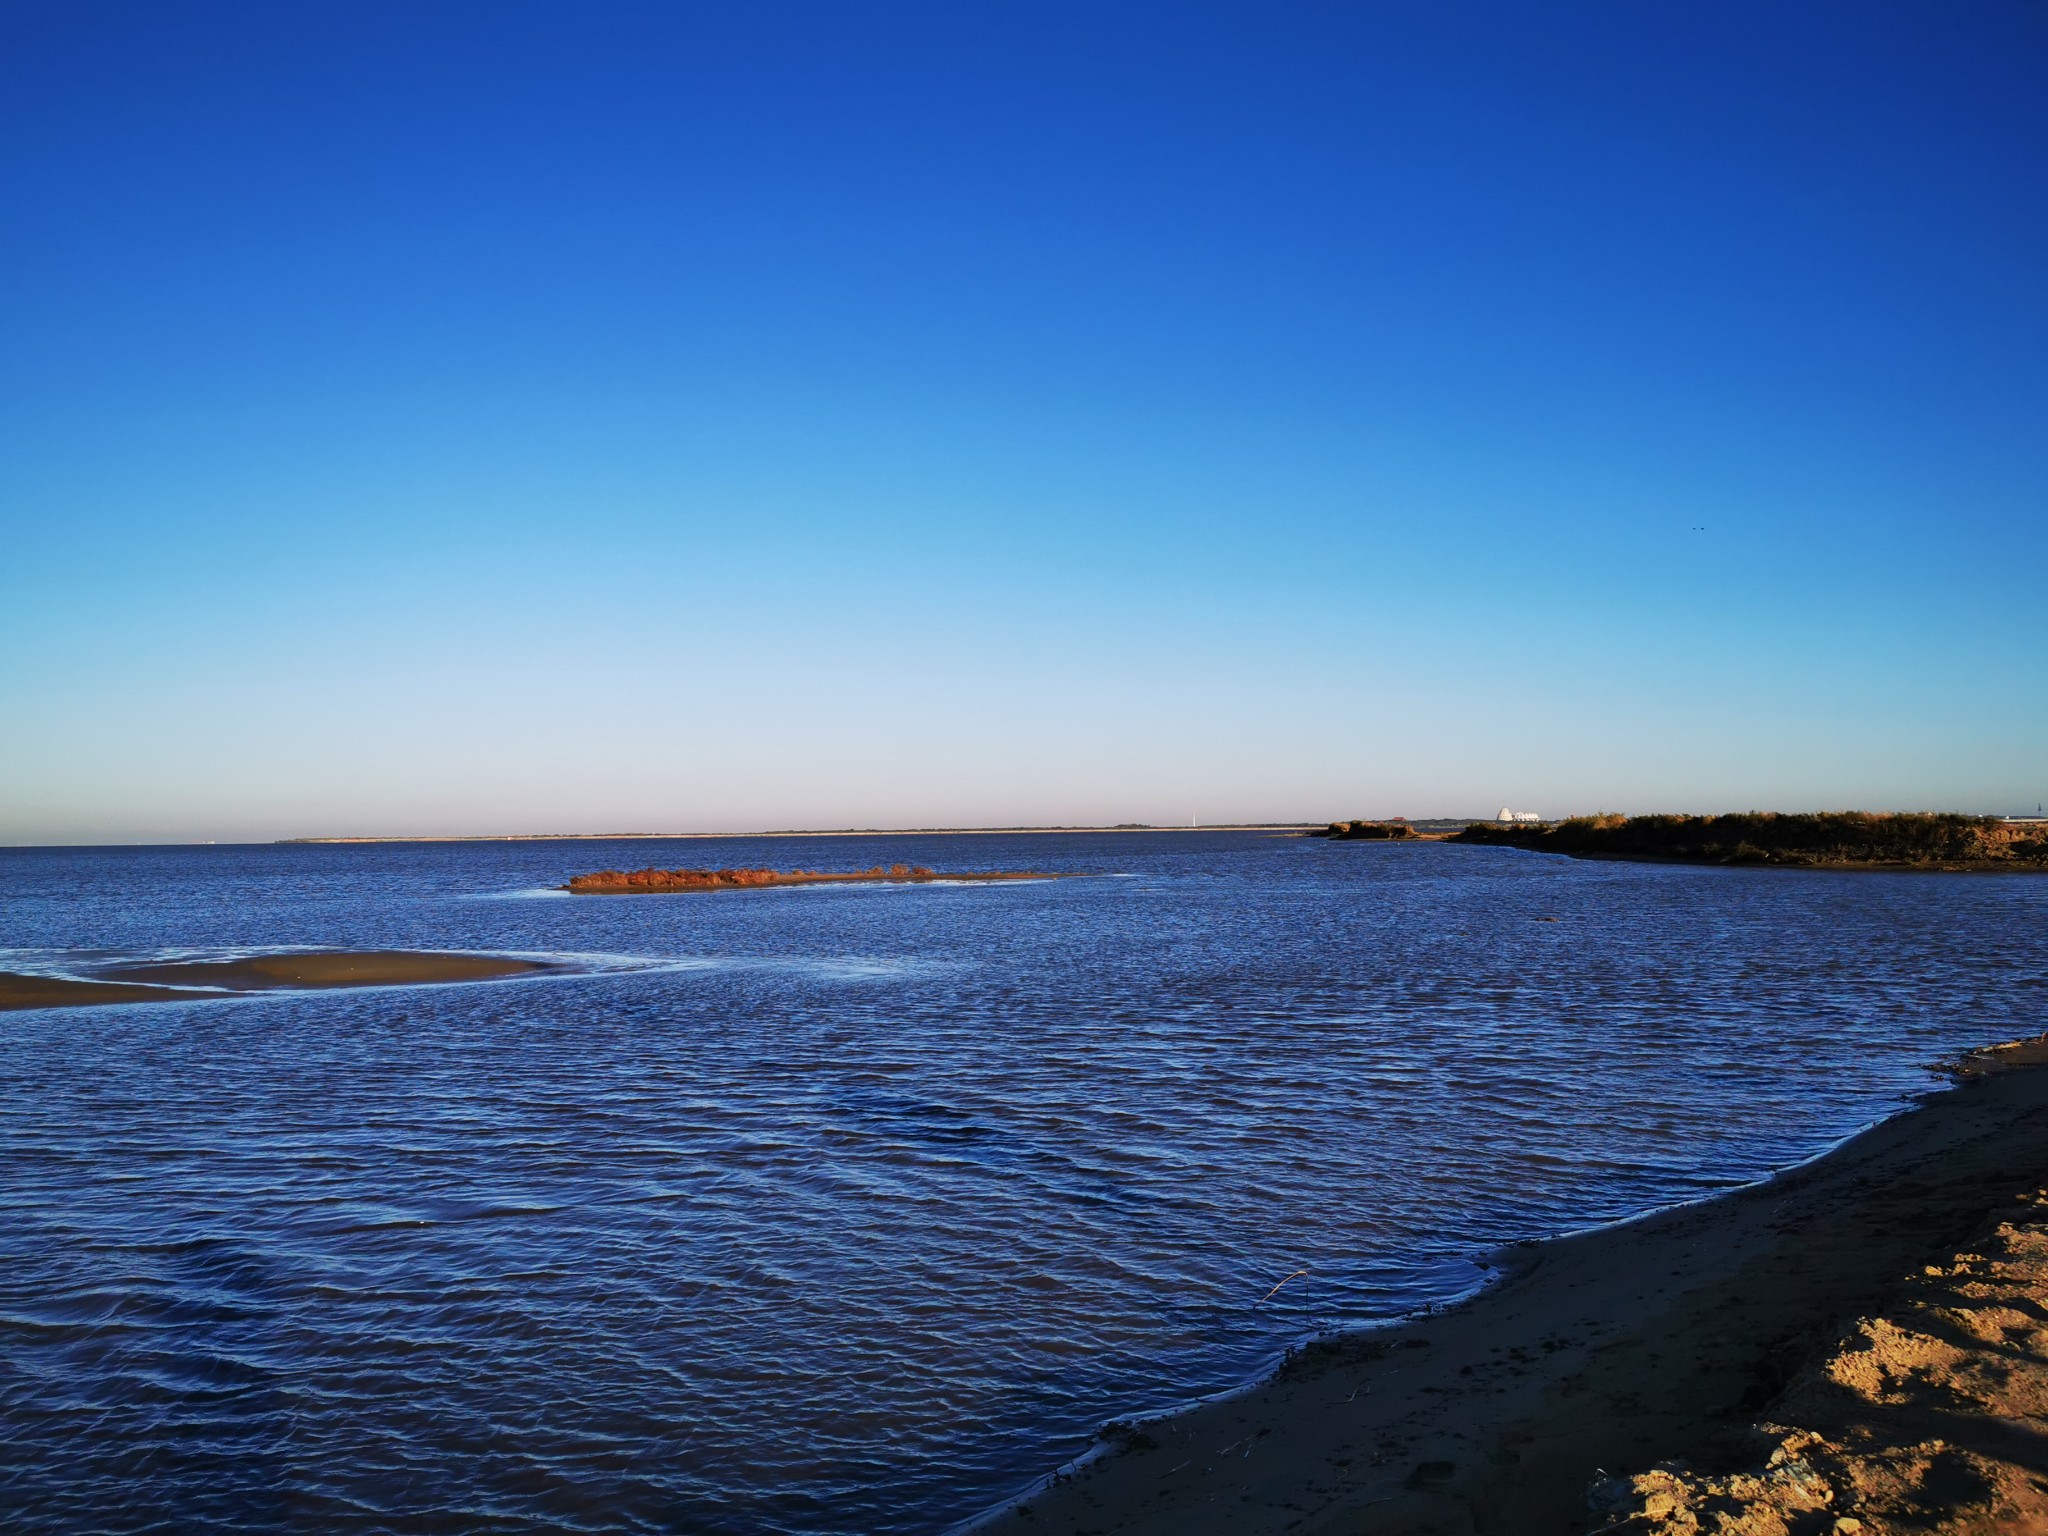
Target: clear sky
{"x": 432, "y": 417}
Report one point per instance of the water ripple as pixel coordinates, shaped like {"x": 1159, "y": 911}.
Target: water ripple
{"x": 851, "y": 1213}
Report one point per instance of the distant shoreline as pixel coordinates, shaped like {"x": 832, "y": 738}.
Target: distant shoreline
{"x": 620, "y": 837}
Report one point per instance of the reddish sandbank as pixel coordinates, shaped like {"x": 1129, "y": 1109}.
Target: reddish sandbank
{"x": 619, "y": 882}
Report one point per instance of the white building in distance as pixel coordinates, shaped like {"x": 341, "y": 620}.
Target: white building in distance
{"x": 1508, "y": 815}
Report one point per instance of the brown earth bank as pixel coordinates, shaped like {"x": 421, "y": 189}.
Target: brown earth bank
{"x": 158, "y": 982}
{"x": 1881, "y": 1309}
{"x": 1815, "y": 840}
{"x": 619, "y": 882}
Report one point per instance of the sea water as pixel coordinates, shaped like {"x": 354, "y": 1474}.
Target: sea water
{"x": 853, "y": 1208}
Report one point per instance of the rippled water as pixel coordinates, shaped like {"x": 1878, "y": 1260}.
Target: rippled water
{"x": 880, "y": 1199}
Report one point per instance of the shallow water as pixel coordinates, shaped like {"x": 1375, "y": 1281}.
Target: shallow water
{"x": 868, "y": 1203}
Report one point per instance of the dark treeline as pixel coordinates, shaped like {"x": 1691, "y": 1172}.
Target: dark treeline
{"x": 1367, "y": 831}
{"x": 1926, "y": 840}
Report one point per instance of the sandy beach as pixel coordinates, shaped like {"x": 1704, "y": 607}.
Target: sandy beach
{"x": 1880, "y": 1308}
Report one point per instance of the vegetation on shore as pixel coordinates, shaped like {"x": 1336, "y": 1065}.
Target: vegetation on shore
{"x": 1367, "y": 831}
{"x": 1913, "y": 840}
{"x": 618, "y": 882}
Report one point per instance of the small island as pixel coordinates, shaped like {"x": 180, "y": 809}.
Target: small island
{"x": 638, "y": 882}
{"x": 1813, "y": 840}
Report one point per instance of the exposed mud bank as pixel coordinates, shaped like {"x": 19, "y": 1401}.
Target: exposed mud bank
{"x": 194, "y": 980}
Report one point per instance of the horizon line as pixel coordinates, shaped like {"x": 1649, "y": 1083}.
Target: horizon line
{"x": 599, "y": 837}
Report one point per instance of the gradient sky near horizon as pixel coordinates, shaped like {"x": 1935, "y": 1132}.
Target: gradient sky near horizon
{"x": 444, "y": 418}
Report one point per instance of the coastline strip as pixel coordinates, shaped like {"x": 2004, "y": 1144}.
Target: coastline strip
{"x": 623, "y": 837}
{"x": 1599, "y": 1355}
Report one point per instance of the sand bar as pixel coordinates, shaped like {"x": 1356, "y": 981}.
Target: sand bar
{"x": 161, "y": 981}
{"x": 19, "y": 991}
{"x": 1604, "y": 1354}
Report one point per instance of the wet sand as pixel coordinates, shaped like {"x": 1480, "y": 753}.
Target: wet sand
{"x": 1542, "y": 1405}
{"x": 18, "y": 991}
{"x": 159, "y": 982}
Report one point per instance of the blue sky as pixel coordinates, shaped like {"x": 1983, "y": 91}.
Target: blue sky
{"x": 517, "y": 417}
